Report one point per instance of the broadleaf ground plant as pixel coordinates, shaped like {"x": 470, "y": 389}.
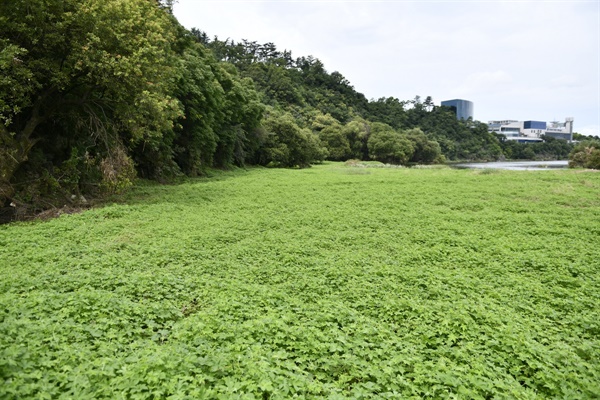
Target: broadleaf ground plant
{"x": 313, "y": 283}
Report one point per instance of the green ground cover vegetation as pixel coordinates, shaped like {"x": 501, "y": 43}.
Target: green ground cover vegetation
{"x": 327, "y": 282}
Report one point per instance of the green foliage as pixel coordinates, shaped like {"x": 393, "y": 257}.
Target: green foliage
{"x": 389, "y": 111}
{"x": 202, "y": 98}
{"x": 243, "y": 113}
{"x": 288, "y": 83}
{"x": 389, "y": 146}
{"x": 288, "y": 145}
{"x": 585, "y": 154}
{"x": 94, "y": 74}
{"x": 425, "y": 151}
{"x": 118, "y": 171}
{"x": 580, "y": 137}
{"x": 275, "y": 82}
{"x": 396, "y": 283}
{"x": 15, "y": 79}
{"x": 331, "y": 133}
{"x": 357, "y": 132}
{"x": 458, "y": 139}
{"x": 549, "y": 149}
{"x": 120, "y": 84}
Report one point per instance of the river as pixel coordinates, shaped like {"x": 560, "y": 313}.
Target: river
{"x": 517, "y": 165}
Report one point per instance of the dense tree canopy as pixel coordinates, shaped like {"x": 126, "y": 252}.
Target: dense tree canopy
{"x": 390, "y": 146}
{"x": 89, "y": 89}
{"x": 287, "y": 144}
{"x": 88, "y": 75}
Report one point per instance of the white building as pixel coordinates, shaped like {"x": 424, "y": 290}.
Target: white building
{"x": 532, "y": 131}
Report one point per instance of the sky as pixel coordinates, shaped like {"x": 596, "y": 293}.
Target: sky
{"x": 521, "y": 60}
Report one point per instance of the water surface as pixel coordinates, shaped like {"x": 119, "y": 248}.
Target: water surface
{"x": 517, "y": 165}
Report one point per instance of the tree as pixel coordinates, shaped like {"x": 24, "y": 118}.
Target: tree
{"x": 428, "y": 103}
{"x": 288, "y": 145}
{"x": 94, "y": 72}
{"x": 580, "y": 137}
{"x": 274, "y": 81}
{"x": 357, "y": 133}
{"x": 332, "y": 136}
{"x": 203, "y": 100}
{"x": 389, "y": 146}
{"x": 425, "y": 151}
{"x": 388, "y": 110}
{"x": 243, "y": 113}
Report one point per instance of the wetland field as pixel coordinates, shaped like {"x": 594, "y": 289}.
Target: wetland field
{"x": 328, "y": 282}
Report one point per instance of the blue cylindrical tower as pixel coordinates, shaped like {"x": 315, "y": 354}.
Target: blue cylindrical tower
{"x": 463, "y": 108}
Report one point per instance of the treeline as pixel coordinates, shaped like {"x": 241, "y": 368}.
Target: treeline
{"x": 550, "y": 148}
{"x": 96, "y": 92}
{"x": 303, "y": 87}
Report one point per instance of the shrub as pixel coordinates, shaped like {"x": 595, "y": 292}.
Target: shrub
{"x": 288, "y": 145}
{"x": 585, "y": 155}
{"x": 388, "y": 146}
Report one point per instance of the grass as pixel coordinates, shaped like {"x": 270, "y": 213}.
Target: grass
{"x": 315, "y": 283}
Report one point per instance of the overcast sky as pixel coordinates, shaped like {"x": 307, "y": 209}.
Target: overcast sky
{"x": 523, "y": 60}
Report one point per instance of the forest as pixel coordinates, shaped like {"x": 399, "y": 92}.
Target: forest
{"x": 96, "y": 93}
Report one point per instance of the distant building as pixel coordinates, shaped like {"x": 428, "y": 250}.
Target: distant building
{"x": 532, "y": 131}
{"x": 463, "y": 108}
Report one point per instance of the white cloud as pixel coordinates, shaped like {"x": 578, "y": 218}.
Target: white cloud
{"x": 566, "y": 81}
{"x": 485, "y": 81}
{"x": 522, "y": 60}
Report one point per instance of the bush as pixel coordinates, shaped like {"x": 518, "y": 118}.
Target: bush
{"x": 388, "y": 146}
{"x": 585, "y": 155}
{"x": 288, "y": 145}
{"x": 426, "y": 151}
{"x": 118, "y": 171}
